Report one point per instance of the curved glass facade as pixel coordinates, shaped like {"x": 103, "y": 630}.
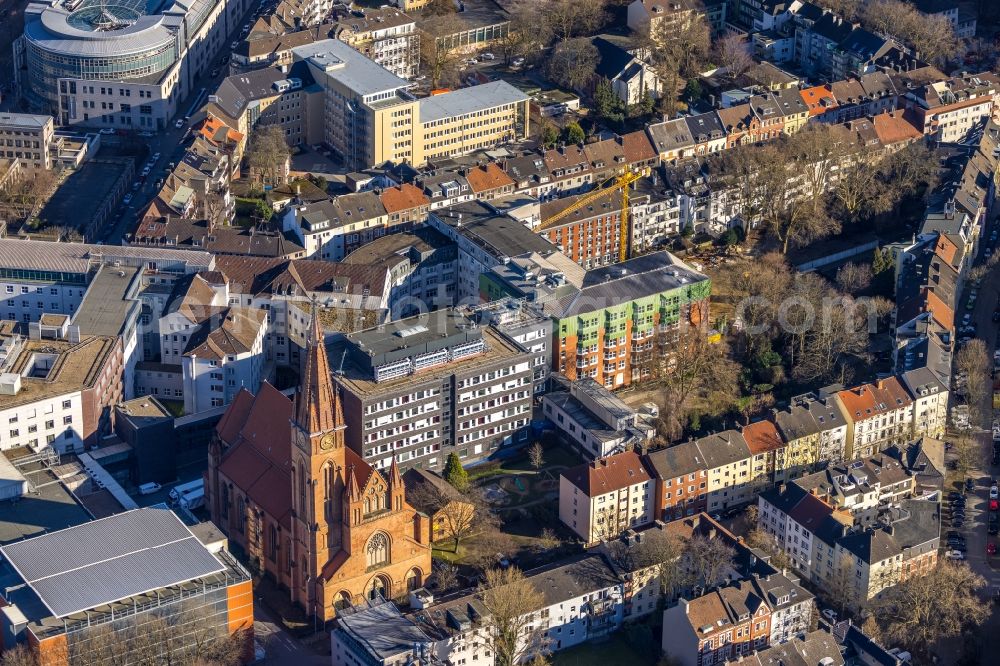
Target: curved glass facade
{"x": 120, "y": 50}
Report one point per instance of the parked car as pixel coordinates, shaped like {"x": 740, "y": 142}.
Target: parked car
{"x": 149, "y": 488}
{"x": 106, "y": 130}
{"x": 155, "y": 158}
{"x": 970, "y": 484}
{"x": 517, "y": 62}
{"x": 830, "y": 614}
{"x": 487, "y": 56}
{"x": 127, "y": 199}
{"x": 994, "y": 492}
{"x": 991, "y": 548}
{"x": 955, "y": 555}
{"x": 179, "y": 124}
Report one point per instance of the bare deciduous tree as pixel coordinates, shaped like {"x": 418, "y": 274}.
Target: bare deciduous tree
{"x": 26, "y": 194}
{"x": 457, "y": 514}
{"x": 693, "y": 367}
{"x": 973, "y": 359}
{"x": 853, "y": 278}
{"x": 708, "y": 559}
{"x": 268, "y": 152}
{"x": 536, "y": 455}
{"x": 569, "y": 18}
{"x": 573, "y": 62}
{"x": 529, "y": 30}
{"x": 439, "y": 63}
{"x": 930, "y": 35}
{"x": 733, "y": 53}
{"x": 927, "y": 610}
{"x": 445, "y": 577}
{"x": 21, "y": 655}
{"x": 512, "y": 601}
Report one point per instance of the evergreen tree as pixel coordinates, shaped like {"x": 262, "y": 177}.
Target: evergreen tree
{"x": 549, "y": 133}
{"x": 607, "y": 103}
{"x": 882, "y": 261}
{"x": 574, "y": 133}
{"x": 645, "y": 105}
{"x": 455, "y": 474}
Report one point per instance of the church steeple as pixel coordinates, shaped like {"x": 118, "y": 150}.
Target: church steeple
{"x": 317, "y": 408}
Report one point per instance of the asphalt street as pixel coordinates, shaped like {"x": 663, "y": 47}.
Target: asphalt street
{"x": 172, "y": 142}
{"x": 977, "y": 508}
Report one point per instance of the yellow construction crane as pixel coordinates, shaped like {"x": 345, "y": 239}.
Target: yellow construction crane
{"x": 621, "y": 182}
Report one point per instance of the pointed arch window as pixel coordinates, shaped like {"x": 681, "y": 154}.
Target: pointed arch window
{"x": 377, "y": 551}
{"x": 302, "y": 491}
{"x": 328, "y": 489}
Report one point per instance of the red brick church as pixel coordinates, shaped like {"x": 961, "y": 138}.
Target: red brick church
{"x": 307, "y": 509}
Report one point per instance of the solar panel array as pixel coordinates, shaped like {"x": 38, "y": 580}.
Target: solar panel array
{"x": 97, "y": 563}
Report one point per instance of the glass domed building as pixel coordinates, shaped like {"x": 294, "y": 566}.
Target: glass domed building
{"x": 144, "y": 42}
{"x": 114, "y": 40}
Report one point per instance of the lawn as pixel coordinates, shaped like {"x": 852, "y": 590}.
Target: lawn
{"x": 618, "y": 649}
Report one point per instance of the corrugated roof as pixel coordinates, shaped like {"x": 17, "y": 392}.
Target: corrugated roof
{"x": 97, "y": 563}
{"x": 76, "y": 257}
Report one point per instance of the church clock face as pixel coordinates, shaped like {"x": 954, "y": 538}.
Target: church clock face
{"x": 326, "y": 443}
{"x": 300, "y": 440}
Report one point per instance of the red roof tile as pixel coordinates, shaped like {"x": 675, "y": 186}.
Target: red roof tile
{"x": 403, "y": 197}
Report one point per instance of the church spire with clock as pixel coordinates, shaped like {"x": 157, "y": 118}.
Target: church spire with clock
{"x": 318, "y": 469}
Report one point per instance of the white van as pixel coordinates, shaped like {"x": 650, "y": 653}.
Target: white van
{"x": 149, "y": 488}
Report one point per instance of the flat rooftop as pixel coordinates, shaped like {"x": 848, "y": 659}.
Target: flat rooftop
{"x": 24, "y": 120}
{"x": 78, "y": 258}
{"x": 48, "y": 508}
{"x": 77, "y": 200}
{"x": 333, "y": 59}
{"x": 106, "y": 307}
{"x": 145, "y": 409}
{"x": 423, "y": 240}
{"x": 464, "y": 101}
{"x": 500, "y": 235}
{"x": 77, "y": 366}
{"x": 425, "y": 333}
{"x": 639, "y": 277}
{"x": 382, "y": 629}
{"x": 359, "y": 382}
{"x": 103, "y": 561}
{"x": 579, "y": 413}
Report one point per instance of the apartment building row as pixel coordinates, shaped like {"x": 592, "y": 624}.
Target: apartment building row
{"x": 831, "y": 547}
{"x": 585, "y": 597}
{"x": 931, "y": 272}
{"x": 731, "y": 468}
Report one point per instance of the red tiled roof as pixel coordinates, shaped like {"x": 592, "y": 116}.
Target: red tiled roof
{"x": 894, "y": 128}
{"x": 608, "y": 474}
{"x": 819, "y": 99}
{"x": 762, "y": 437}
{"x": 403, "y": 197}
{"x": 943, "y": 314}
{"x": 259, "y": 454}
{"x": 488, "y": 177}
{"x": 638, "y": 147}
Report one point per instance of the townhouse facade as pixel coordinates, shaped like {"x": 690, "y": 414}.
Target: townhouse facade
{"x": 858, "y": 559}
{"x": 601, "y": 499}
{"x": 877, "y": 415}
